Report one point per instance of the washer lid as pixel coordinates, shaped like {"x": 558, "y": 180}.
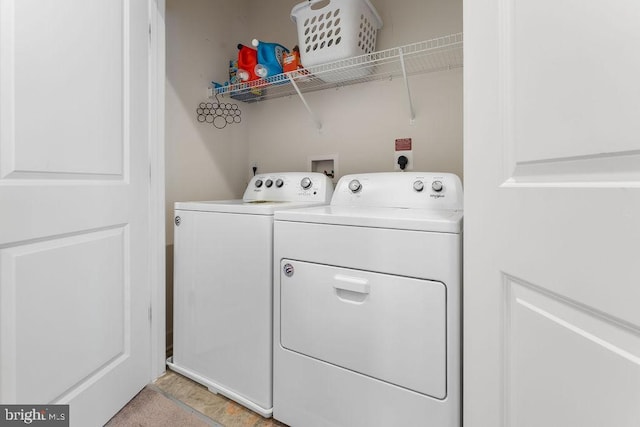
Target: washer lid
{"x": 241, "y": 207}
{"x": 442, "y": 221}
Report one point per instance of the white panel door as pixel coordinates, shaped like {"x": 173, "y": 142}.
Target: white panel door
{"x": 552, "y": 213}
{"x": 74, "y": 196}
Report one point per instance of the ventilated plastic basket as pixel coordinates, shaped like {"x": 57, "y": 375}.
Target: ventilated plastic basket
{"x": 331, "y": 30}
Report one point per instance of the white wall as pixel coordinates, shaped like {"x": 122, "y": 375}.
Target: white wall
{"x": 360, "y": 125}
{"x": 202, "y": 162}
{"x": 361, "y": 122}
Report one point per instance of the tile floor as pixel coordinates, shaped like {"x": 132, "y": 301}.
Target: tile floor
{"x": 220, "y": 409}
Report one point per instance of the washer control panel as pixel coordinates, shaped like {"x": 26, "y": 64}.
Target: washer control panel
{"x": 411, "y": 190}
{"x": 289, "y": 187}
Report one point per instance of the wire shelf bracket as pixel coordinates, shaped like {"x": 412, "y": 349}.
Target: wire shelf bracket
{"x": 306, "y": 104}
{"x": 412, "y": 114}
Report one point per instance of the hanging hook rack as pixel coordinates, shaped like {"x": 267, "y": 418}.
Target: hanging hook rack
{"x": 217, "y": 113}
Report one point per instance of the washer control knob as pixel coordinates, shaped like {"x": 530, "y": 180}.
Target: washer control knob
{"x": 355, "y": 186}
{"x": 436, "y": 186}
{"x": 258, "y": 183}
{"x": 418, "y": 186}
{"x": 305, "y": 183}
{"x": 279, "y": 183}
{"x": 268, "y": 183}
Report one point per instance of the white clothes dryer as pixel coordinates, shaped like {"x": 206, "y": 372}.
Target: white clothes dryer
{"x": 367, "y": 304}
{"x": 223, "y": 271}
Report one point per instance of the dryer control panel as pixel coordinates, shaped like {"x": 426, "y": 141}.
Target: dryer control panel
{"x": 289, "y": 187}
{"x": 409, "y": 190}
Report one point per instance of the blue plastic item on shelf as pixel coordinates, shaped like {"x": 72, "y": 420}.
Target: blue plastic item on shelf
{"x": 269, "y": 58}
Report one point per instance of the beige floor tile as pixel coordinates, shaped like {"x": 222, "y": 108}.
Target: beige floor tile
{"x": 220, "y": 409}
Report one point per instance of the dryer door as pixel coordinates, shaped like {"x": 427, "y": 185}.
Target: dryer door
{"x": 388, "y": 327}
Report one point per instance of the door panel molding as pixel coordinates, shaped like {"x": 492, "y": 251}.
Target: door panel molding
{"x": 96, "y": 146}
{"x": 546, "y": 141}
{"x": 7, "y": 87}
{"x": 83, "y": 310}
{"x": 603, "y": 170}
{"x": 53, "y": 177}
{"x": 572, "y": 341}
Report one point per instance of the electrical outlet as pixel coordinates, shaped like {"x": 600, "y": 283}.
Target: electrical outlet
{"x": 408, "y": 154}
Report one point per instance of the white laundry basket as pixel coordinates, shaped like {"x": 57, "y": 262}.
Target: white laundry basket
{"x": 331, "y": 30}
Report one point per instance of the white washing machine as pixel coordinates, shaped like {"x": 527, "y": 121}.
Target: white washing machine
{"x": 223, "y": 271}
{"x": 367, "y": 295}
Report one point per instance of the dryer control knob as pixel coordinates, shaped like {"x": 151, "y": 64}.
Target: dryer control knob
{"x": 355, "y": 186}
{"x": 436, "y": 186}
{"x": 268, "y": 183}
{"x": 258, "y": 183}
{"x": 305, "y": 183}
{"x": 279, "y": 183}
{"x": 418, "y": 186}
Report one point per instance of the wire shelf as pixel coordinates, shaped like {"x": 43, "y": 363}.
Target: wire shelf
{"x": 443, "y": 53}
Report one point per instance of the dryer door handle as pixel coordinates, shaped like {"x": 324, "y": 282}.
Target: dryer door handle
{"x": 352, "y": 284}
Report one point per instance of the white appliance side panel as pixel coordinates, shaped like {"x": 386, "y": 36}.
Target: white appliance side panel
{"x": 391, "y": 328}
{"x": 223, "y": 297}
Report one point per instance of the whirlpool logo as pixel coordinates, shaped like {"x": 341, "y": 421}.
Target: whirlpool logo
{"x": 37, "y": 415}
